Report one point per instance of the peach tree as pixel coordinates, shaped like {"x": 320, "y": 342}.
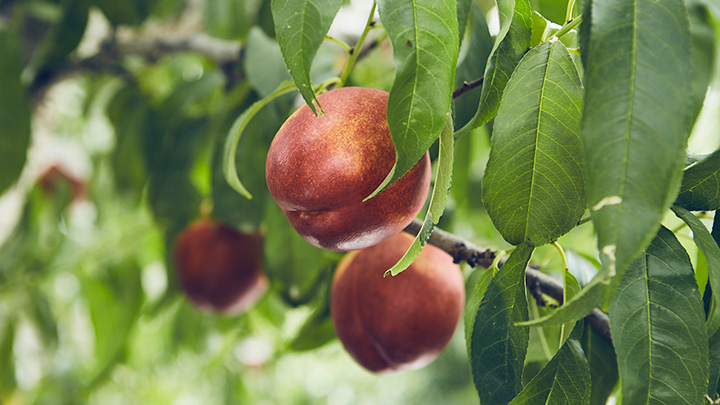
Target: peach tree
{"x": 575, "y": 141}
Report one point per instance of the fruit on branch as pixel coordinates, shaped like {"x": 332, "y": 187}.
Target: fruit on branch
{"x": 319, "y": 170}
{"x": 219, "y": 268}
{"x": 390, "y": 324}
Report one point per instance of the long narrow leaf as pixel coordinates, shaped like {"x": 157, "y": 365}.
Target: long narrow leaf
{"x": 534, "y": 187}
{"x": 14, "y": 112}
{"x": 657, "y": 323}
{"x": 437, "y": 201}
{"x": 300, "y": 27}
{"x": 636, "y": 120}
{"x": 564, "y": 380}
{"x": 424, "y": 35}
{"x": 511, "y": 43}
{"x": 498, "y": 346}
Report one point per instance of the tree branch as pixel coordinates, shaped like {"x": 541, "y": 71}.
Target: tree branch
{"x": 112, "y": 51}
{"x": 537, "y": 282}
{"x": 467, "y": 86}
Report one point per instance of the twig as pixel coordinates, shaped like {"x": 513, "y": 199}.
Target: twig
{"x": 111, "y": 52}
{"x": 537, "y": 282}
{"x": 467, "y": 86}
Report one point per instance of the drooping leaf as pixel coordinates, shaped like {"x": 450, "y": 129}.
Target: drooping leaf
{"x": 114, "y": 298}
{"x": 553, "y": 10}
{"x": 657, "y": 323}
{"x": 711, "y": 251}
{"x": 511, "y": 43}
{"x": 534, "y": 188}
{"x": 263, "y": 62}
{"x": 636, "y": 120}
{"x": 173, "y": 198}
{"x": 564, "y": 380}
{"x": 438, "y": 200}
{"x": 317, "y": 330}
{"x": 64, "y": 35}
{"x": 603, "y": 365}
{"x": 424, "y": 35}
{"x": 703, "y": 51}
{"x": 498, "y": 346}
{"x": 129, "y": 112}
{"x": 7, "y": 373}
{"x": 714, "y": 385}
{"x": 700, "y": 189}
{"x": 14, "y": 112}
{"x": 473, "y": 303}
{"x": 540, "y": 24}
{"x": 228, "y": 204}
{"x": 464, "y": 8}
{"x": 132, "y": 12}
{"x": 300, "y": 26}
{"x": 236, "y": 131}
{"x": 226, "y": 19}
{"x": 472, "y": 66}
{"x": 293, "y": 265}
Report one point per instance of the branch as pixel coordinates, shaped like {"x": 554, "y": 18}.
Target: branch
{"x": 467, "y": 86}
{"x": 112, "y": 52}
{"x": 537, "y": 282}
{"x": 219, "y": 50}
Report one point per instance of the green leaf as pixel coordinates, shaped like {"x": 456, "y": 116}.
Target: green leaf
{"x": 472, "y": 67}
{"x": 473, "y": 303}
{"x": 226, "y": 19}
{"x": 636, "y": 120}
{"x": 657, "y": 323}
{"x": 714, "y": 386}
{"x": 131, "y": 12}
{"x": 424, "y": 35}
{"x": 553, "y": 10}
{"x": 263, "y": 62}
{"x": 464, "y": 8}
{"x": 711, "y": 251}
{"x": 64, "y": 36}
{"x": 581, "y": 304}
{"x": 14, "y": 112}
{"x": 438, "y": 199}
{"x": 603, "y": 365}
{"x": 114, "y": 297}
{"x": 511, "y": 43}
{"x": 703, "y": 51}
{"x": 700, "y": 189}
{"x": 540, "y": 24}
{"x": 228, "y": 205}
{"x": 498, "y": 346}
{"x": 534, "y": 188}
{"x": 293, "y": 265}
{"x": 238, "y": 127}
{"x": 7, "y": 373}
{"x": 129, "y": 113}
{"x": 172, "y": 196}
{"x": 300, "y": 26}
{"x": 564, "y": 380}
{"x": 317, "y": 330}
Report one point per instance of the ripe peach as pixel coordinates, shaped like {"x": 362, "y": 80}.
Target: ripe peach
{"x": 389, "y": 324}
{"x": 219, "y": 268}
{"x": 319, "y": 170}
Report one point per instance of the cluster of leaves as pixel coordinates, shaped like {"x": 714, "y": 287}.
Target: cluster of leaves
{"x": 589, "y": 107}
{"x": 604, "y": 130}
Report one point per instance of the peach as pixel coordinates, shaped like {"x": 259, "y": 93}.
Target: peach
{"x": 319, "y": 170}
{"x": 389, "y": 324}
{"x": 219, "y": 268}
